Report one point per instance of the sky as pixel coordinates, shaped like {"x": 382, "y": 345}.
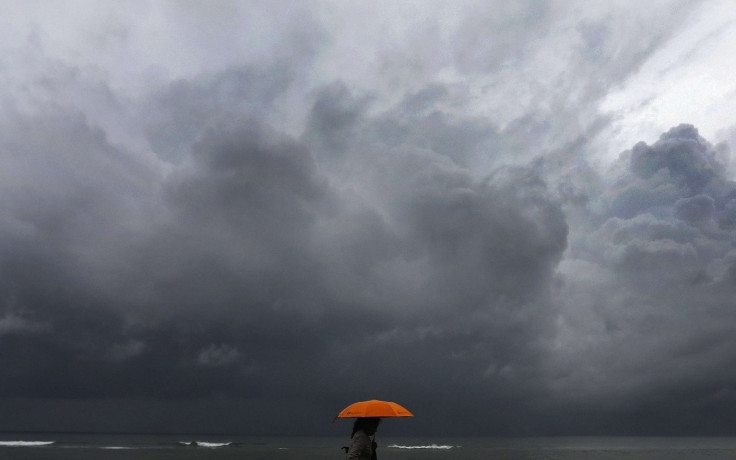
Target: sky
{"x": 513, "y": 218}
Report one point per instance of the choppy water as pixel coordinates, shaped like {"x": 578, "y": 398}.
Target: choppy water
{"x": 185, "y": 447}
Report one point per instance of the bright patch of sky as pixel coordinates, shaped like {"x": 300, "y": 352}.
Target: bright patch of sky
{"x": 690, "y": 79}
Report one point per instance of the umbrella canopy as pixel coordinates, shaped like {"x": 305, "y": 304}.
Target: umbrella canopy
{"x": 374, "y": 408}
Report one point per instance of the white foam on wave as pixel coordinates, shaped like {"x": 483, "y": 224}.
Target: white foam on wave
{"x": 212, "y": 444}
{"x": 26, "y": 443}
{"x": 431, "y": 446}
{"x": 205, "y": 444}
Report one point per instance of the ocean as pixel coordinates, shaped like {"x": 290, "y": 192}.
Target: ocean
{"x": 50, "y": 446}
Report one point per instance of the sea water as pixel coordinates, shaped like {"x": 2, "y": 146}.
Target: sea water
{"x": 190, "y": 447}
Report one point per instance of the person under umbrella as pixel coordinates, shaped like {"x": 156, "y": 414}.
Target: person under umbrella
{"x": 362, "y": 447}
{"x": 368, "y": 415}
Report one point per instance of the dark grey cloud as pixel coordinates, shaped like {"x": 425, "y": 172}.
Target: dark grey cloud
{"x": 262, "y": 234}
{"x": 655, "y": 279}
{"x": 259, "y": 264}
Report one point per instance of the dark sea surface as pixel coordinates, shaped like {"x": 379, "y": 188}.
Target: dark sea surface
{"x": 146, "y": 447}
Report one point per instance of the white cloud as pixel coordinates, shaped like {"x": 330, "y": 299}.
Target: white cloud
{"x": 687, "y": 80}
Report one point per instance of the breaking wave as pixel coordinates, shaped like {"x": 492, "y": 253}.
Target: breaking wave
{"x": 431, "y": 446}
{"x": 211, "y": 445}
{"x": 26, "y": 443}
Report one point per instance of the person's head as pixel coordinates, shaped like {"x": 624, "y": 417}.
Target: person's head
{"x": 367, "y": 424}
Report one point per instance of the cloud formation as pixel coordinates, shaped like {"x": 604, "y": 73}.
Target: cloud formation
{"x": 662, "y": 256}
{"x": 420, "y": 212}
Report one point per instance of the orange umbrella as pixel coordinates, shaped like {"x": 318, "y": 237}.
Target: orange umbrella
{"x": 374, "y": 408}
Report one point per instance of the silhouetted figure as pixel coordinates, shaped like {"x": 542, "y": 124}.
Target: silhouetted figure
{"x": 362, "y": 447}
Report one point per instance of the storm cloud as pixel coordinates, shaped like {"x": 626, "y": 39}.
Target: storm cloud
{"x": 200, "y": 240}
